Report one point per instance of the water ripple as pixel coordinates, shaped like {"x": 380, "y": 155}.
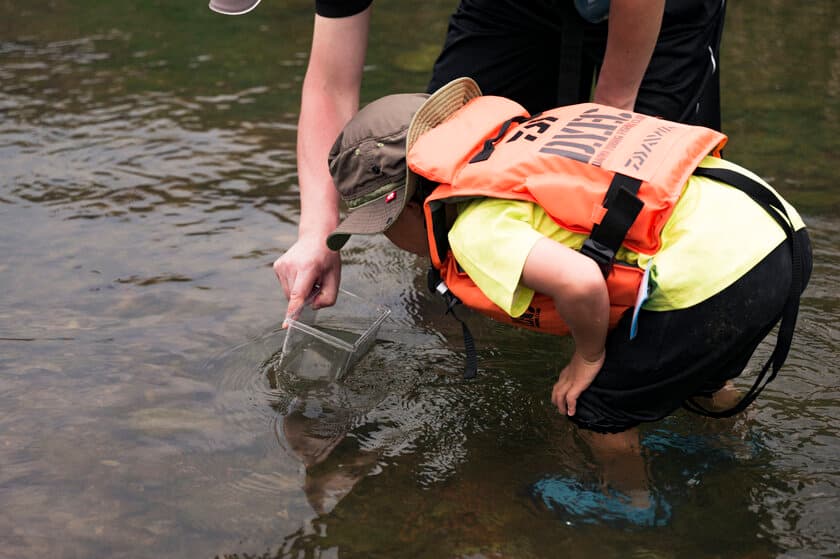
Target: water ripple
{"x": 122, "y": 155}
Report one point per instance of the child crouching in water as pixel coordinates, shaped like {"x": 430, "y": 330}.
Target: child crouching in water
{"x": 666, "y": 264}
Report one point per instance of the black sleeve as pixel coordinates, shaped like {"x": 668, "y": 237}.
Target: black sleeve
{"x": 340, "y": 8}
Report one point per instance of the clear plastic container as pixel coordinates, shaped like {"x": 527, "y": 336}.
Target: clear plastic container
{"x": 325, "y": 344}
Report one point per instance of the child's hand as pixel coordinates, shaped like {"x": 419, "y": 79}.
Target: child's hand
{"x": 574, "y": 379}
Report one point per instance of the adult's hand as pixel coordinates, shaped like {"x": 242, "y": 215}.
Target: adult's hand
{"x": 329, "y": 98}
{"x": 307, "y": 267}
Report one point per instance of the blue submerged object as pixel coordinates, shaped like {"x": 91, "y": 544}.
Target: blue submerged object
{"x": 575, "y": 501}
{"x": 593, "y": 11}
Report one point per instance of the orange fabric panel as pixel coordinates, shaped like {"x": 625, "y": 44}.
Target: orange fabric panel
{"x": 564, "y": 160}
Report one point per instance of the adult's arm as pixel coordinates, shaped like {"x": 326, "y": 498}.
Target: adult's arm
{"x": 330, "y": 97}
{"x": 634, "y": 26}
{"x": 580, "y": 295}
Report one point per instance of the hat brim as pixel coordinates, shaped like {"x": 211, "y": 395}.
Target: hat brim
{"x": 233, "y": 7}
{"x": 442, "y": 104}
{"x": 379, "y": 214}
{"x": 374, "y": 217}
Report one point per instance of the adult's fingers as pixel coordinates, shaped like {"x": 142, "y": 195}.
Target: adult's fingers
{"x": 329, "y": 282}
{"x": 283, "y": 276}
{"x": 327, "y": 295}
{"x": 303, "y": 285}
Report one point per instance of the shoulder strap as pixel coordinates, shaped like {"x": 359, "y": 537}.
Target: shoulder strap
{"x": 773, "y": 206}
{"x": 623, "y": 206}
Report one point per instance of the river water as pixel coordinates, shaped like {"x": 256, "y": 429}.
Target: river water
{"x": 147, "y": 182}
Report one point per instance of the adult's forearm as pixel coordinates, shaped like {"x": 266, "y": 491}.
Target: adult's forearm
{"x": 329, "y": 98}
{"x": 319, "y": 124}
{"x": 634, "y": 27}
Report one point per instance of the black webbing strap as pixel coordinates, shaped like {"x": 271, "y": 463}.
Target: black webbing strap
{"x": 773, "y": 206}
{"x": 471, "y": 358}
{"x": 623, "y": 206}
{"x": 436, "y": 285}
{"x": 490, "y": 144}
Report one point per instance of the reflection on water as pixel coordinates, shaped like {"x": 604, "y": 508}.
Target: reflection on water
{"x": 147, "y": 182}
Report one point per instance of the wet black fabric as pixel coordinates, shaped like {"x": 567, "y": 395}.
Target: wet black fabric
{"x": 681, "y": 354}
{"x": 516, "y": 48}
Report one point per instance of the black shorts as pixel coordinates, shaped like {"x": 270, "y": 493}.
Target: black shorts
{"x": 542, "y": 54}
{"x": 677, "y": 355}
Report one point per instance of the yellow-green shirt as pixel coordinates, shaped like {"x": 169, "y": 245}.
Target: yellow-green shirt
{"x": 715, "y": 235}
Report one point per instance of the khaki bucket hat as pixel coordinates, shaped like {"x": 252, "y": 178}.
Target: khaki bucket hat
{"x": 233, "y": 7}
{"x": 367, "y": 160}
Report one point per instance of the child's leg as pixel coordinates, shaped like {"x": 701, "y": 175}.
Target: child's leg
{"x": 621, "y": 463}
{"x": 687, "y": 353}
{"x": 723, "y": 399}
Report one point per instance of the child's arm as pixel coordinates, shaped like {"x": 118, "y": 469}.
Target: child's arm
{"x": 579, "y": 291}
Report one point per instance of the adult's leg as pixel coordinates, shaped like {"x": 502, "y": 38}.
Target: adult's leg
{"x": 682, "y": 82}
{"x": 515, "y": 48}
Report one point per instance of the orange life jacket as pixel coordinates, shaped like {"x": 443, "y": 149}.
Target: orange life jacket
{"x": 573, "y": 161}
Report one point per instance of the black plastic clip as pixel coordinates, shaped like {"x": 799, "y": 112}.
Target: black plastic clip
{"x": 603, "y": 255}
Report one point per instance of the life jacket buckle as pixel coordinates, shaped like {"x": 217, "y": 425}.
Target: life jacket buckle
{"x": 603, "y": 255}
{"x": 442, "y": 288}
{"x": 436, "y": 284}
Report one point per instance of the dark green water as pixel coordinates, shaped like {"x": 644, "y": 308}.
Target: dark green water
{"x": 147, "y": 182}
